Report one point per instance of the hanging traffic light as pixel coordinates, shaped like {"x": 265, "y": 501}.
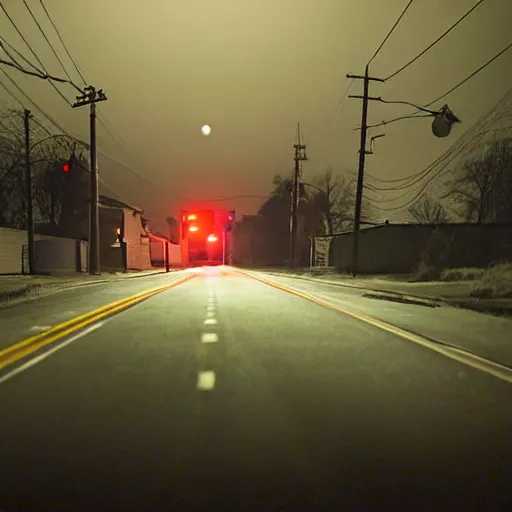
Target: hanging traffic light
{"x": 66, "y": 167}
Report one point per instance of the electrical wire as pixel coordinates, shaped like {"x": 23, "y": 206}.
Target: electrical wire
{"x": 481, "y": 68}
{"x": 109, "y": 131}
{"x": 27, "y": 97}
{"x": 62, "y": 42}
{"x": 468, "y": 146}
{"x": 489, "y": 117}
{"x": 49, "y": 43}
{"x": 16, "y": 66}
{"x": 13, "y": 23}
{"x": 415, "y": 114}
{"x": 391, "y": 31}
{"x": 6, "y": 43}
{"x": 422, "y": 190}
{"x": 429, "y": 47}
{"x": 12, "y": 94}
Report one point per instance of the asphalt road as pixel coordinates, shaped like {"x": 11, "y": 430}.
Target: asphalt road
{"x": 275, "y": 403}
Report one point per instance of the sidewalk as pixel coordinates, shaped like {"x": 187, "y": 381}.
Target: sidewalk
{"x": 454, "y": 293}
{"x": 18, "y": 286}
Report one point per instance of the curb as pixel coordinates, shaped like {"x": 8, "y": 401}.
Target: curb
{"x": 471, "y": 304}
{"x": 63, "y": 285}
{"x": 428, "y": 298}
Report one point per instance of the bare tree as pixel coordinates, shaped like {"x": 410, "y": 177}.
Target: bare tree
{"x": 12, "y": 185}
{"x": 336, "y": 199}
{"x": 428, "y": 211}
{"x": 482, "y": 185}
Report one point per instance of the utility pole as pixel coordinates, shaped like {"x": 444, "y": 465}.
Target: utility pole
{"x": 300, "y": 156}
{"x": 362, "y": 154}
{"x": 224, "y": 246}
{"x": 28, "y": 192}
{"x": 91, "y": 97}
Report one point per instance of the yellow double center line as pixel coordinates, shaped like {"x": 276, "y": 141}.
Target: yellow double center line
{"x": 32, "y": 344}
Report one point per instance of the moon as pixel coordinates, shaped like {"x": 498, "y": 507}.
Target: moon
{"x": 206, "y": 130}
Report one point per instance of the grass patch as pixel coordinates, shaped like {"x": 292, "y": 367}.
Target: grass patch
{"x": 496, "y": 282}
{"x": 462, "y": 274}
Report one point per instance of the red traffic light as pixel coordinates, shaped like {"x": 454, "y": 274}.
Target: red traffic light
{"x": 66, "y": 167}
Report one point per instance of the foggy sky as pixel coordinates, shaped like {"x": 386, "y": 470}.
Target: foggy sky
{"x": 252, "y": 70}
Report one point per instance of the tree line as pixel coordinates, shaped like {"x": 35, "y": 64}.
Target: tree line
{"x": 479, "y": 190}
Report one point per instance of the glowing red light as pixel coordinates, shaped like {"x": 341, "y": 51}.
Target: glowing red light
{"x": 193, "y": 229}
{"x": 65, "y": 167}
{"x": 212, "y": 238}
{"x": 192, "y": 217}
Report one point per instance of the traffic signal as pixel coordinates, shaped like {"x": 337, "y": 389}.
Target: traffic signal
{"x": 231, "y": 219}
{"x": 68, "y": 165}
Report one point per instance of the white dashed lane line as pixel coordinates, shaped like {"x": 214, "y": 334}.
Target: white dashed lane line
{"x": 206, "y": 380}
{"x": 209, "y": 337}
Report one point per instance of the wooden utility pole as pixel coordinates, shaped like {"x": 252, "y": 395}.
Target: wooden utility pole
{"x": 362, "y": 154}
{"x": 91, "y": 97}
{"x": 300, "y": 156}
{"x": 28, "y": 195}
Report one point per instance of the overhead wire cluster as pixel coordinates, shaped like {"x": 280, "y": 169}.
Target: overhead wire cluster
{"x": 418, "y": 182}
{"x": 19, "y": 62}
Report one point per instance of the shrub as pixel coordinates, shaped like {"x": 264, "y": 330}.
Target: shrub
{"x": 462, "y": 274}
{"x": 496, "y": 282}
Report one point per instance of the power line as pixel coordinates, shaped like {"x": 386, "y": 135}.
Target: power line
{"x": 62, "y": 42}
{"x": 4, "y": 43}
{"x": 16, "y": 66}
{"x": 32, "y": 101}
{"x": 392, "y": 30}
{"x": 415, "y": 115}
{"x": 467, "y": 145}
{"x": 429, "y": 47}
{"x": 481, "y": 68}
{"x": 48, "y": 41}
{"x": 33, "y": 52}
{"x": 76, "y": 67}
{"x": 480, "y": 124}
{"x": 422, "y": 190}
{"x": 12, "y": 94}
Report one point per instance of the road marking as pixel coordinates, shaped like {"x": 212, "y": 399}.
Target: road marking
{"x": 206, "y": 380}
{"x": 493, "y": 368}
{"x": 210, "y": 314}
{"x": 33, "y": 343}
{"x": 40, "y": 327}
{"x": 48, "y": 353}
{"x": 209, "y": 337}
{"x": 210, "y": 321}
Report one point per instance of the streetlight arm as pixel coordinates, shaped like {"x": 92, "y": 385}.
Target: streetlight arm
{"x": 431, "y": 112}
